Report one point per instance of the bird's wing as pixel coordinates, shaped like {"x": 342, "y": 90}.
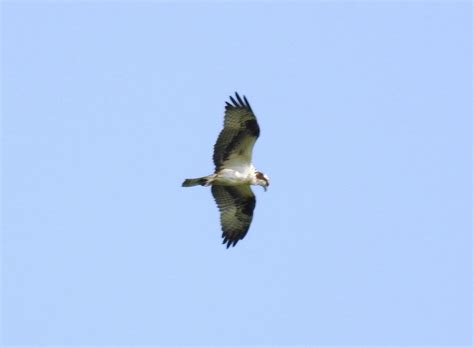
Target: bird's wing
{"x": 234, "y": 145}
{"x": 236, "y": 205}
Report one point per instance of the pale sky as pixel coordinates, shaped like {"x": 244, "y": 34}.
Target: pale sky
{"x": 364, "y": 236}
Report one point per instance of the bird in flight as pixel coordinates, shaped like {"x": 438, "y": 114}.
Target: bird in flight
{"x": 234, "y": 172}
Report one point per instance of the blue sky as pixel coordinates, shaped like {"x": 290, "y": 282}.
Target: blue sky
{"x": 364, "y": 236}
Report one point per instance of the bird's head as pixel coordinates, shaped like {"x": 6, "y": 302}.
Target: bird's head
{"x": 262, "y": 180}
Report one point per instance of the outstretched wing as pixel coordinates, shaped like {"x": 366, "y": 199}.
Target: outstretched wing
{"x": 236, "y": 205}
{"x": 234, "y": 145}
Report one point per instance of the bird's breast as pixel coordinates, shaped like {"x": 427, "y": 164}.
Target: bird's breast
{"x": 233, "y": 177}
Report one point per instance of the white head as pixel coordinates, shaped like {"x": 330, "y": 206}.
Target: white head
{"x": 262, "y": 180}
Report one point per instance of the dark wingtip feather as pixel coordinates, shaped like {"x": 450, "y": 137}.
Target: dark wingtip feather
{"x": 233, "y": 101}
{"x": 239, "y": 102}
{"x": 229, "y": 242}
{"x": 247, "y": 104}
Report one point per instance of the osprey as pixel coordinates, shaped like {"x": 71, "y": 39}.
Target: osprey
{"x": 234, "y": 171}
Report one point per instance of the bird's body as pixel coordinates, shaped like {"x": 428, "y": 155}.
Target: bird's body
{"x": 225, "y": 177}
{"x": 234, "y": 172}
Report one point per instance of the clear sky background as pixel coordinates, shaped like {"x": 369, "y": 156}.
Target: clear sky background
{"x": 364, "y": 236}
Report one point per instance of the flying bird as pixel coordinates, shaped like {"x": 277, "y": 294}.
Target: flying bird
{"x": 234, "y": 172}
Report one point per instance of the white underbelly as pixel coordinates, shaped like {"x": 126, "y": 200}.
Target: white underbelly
{"x": 232, "y": 177}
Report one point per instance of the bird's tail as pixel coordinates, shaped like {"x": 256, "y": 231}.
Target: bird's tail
{"x": 191, "y": 182}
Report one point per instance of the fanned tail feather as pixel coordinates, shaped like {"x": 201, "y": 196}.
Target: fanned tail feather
{"x": 191, "y": 182}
